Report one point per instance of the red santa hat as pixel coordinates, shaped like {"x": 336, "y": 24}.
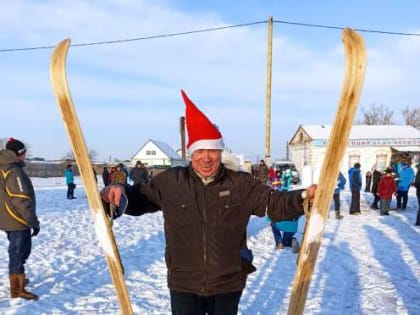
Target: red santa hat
{"x": 202, "y": 133}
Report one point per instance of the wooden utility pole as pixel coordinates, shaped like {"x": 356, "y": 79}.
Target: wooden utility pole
{"x": 268, "y": 95}
{"x": 182, "y": 130}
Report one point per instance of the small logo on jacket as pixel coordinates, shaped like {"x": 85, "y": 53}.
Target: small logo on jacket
{"x": 224, "y": 193}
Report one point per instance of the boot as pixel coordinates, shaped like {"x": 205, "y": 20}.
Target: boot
{"x": 338, "y": 216}
{"x": 418, "y": 217}
{"x": 17, "y": 287}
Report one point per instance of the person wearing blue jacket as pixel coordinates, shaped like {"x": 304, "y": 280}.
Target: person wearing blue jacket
{"x": 68, "y": 173}
{"x": 355, "y": 179}
{"x": 406, "y": 177}
{"x": 341, "y": 183}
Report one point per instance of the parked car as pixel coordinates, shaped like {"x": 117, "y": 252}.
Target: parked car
{"x": 284, "y": 165}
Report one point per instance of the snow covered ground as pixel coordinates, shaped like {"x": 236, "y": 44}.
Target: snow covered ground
{"x": 367, "y": 264}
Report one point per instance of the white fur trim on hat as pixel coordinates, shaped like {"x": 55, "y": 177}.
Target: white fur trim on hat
{"x": 210, "y": 144}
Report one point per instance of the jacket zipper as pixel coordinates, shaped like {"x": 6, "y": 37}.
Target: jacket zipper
{"x": 204, "y": 285}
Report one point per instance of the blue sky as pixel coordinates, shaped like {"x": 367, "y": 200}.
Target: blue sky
{"x": 129, "y": 92}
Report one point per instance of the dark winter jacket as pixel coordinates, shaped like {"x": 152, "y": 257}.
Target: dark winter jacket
{"x": 205, "y": 224}
{"x": 417, "y": 180}
{"x": 139, "y": 175}
{"x": 17, "y": 196}
{"x": 376, "y": 178}
{"x": 387, "y": 187}
{"x": 105, "y": 176}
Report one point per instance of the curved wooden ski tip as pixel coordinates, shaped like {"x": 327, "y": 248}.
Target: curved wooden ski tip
{"x": 103, "y": 231}
{"x": 355, "y": 59}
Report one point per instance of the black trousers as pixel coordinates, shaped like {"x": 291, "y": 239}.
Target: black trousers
{"x": 192, "y": 304}
{"x": 375, "y": 201}
{"x": 402, "y": 196}
{"x": 336, "y": 198}
{"x": 355, "y": 201}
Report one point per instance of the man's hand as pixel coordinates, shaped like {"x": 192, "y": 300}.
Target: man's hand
{"x": 310, "y": 193}
{"x": 112, "y": 194}
{"x": 35, "y": 231}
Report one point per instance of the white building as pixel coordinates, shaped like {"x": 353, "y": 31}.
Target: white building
{"x": 369, "y": 145}
{"x": 157, "y": 153}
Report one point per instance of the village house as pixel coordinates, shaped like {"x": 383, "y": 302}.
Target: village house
{"x": 157, "y": 154}
{"x": 370, "y": 145}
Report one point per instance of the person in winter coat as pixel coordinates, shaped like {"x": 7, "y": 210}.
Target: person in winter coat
{"x": 105, "y": 176}
{"x": 286, "y": 179}
{"x": 283, "y": 231}
{"x": 139, "y": 174}
{"x": 417, "y": 185}
{"x": 119, "y": 176}
{"x": 355, "y": 180}
{"x": 368, "y": 177}
{"x": 68, "y": 173}
{"x": 17, "y": 215}
{"x": 206, "y": 208}
{"x": 124, "y": 170}
{"x": 276, "y": 180}
{"x": 341, "y": 183}
{"x": 405, "y": 179}
{"x": 262, "y": 172}
{"x": 386, "y": 188}
{"x": 376, "y": 177}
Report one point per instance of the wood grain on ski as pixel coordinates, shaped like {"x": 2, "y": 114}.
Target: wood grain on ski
{"x": 74, "y": 132}
{"x": 352, "y": 86}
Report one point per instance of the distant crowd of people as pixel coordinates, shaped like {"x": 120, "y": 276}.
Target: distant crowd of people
{"x": 119, "y": 174}
{"x": 393, "y": 182}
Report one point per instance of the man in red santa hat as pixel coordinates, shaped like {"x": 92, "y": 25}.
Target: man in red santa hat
{"x": 206, "y": 208}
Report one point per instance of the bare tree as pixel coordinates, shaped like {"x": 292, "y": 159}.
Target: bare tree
{"x": 411, "y": 116}
{"x": 376, "y": 115}
{"x": 3, "y": 142}
{"x": 70, "y": 156}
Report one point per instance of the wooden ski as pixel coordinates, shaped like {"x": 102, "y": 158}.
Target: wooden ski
{"x": 103, "y": 225}
{"x": 352, "y": 86}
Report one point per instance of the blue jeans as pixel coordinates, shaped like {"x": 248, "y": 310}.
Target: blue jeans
{"x": 20, "y": 244}
{"x": 281, "y": 236}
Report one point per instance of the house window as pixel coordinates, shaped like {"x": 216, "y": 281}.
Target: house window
{"x": 353, "y": 159}
{"x": 151, "y": 152}
{"x": 380, "y": 162}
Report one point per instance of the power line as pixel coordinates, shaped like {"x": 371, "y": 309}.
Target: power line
{"x": 341, "y": 28}
{"x": 109, "y": 42}
{"x": 213, "y": 29}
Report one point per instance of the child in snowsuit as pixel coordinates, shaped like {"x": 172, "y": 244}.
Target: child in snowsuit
{"x": 276, "y": 180}
{"x": 386, "y": 188}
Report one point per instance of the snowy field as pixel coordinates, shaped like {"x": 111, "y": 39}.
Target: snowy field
{"x": 367, "y": 264}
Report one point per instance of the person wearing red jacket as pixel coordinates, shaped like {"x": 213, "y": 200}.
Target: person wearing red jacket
{"x": 386, "y": 188}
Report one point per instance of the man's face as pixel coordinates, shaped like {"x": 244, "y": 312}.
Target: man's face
{"x": 22, "y": 156}
{"x": 206, "y": 162}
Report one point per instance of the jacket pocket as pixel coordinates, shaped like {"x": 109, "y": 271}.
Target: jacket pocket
{"x": 182, "y": 215}
{"x": 230, "y": 213}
